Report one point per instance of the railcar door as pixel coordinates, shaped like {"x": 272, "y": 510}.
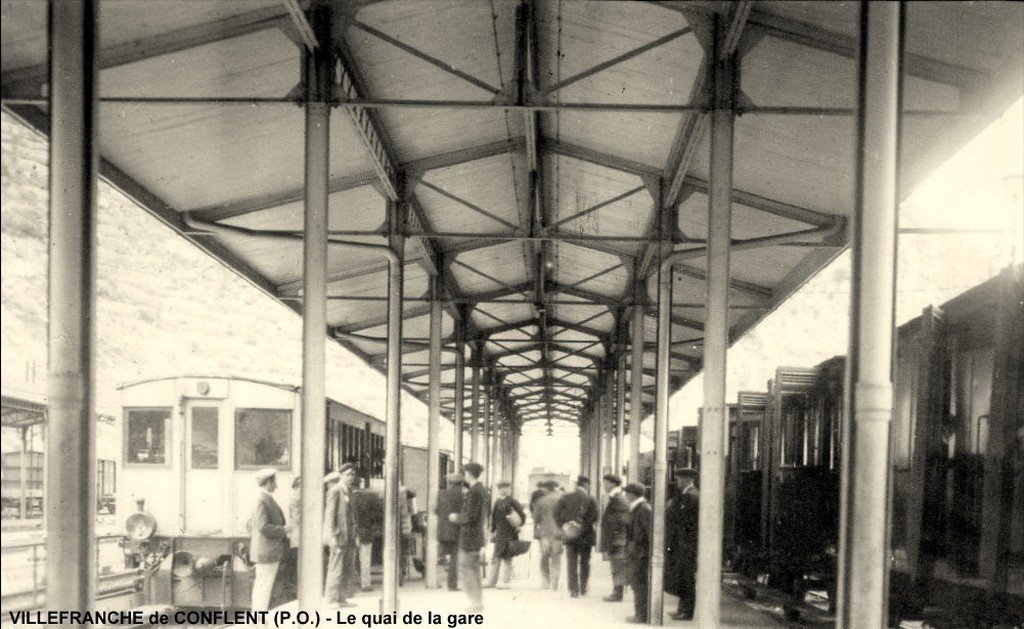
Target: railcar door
{"x": 202, "y": 473}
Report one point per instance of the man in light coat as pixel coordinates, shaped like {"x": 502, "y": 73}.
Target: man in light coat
{"x": 340, "y": 536}
{"x": 268, "y": 537}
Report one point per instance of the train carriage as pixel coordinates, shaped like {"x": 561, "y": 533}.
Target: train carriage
{"x": 192, "y": 447}
{"x": 956, "y": 450}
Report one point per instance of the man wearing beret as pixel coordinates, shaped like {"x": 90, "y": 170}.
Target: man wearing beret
{"x": 638, "y": 548}
{"x": 340, "y": 535}
{"x": 471, "y": 534}
{"x": 267, "y": 541}
{"x": 580, "y": 508}
{"x": 614, "y": 525}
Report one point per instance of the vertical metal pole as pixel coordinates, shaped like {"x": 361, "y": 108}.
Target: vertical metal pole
{"x": 515, "y": 462}
{"x": 22, "y": 478}
{"x": 486, "y": 442}
{"x": 433, "y": 427}
{"x": 460, "y": 392}
{"x": 474, "y": 403}
{"x": 319, "y": 68}
{"x": 636, "y": 388}
{"x": 593, "y": 441}
{"x": 609, "y": 424}
{"x": 392, "y": 429}
{"x": 862, "y": 561}
{"x": 620, "y": 408}
{"x": 716, "y": 342}
{"x": 658, "y": 492}
{"x": 71, "y": 478}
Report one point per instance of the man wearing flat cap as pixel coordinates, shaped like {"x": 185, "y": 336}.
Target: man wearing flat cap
{"x": 638, "y": 548}
{"x": 268, "y": 536}
{"x": 681, "y": 517}
{"x": 470, "y": 519}
{"x": 614, "y": 525}
{"x": 340, "y": 535}
{"x": 576, "y": 514}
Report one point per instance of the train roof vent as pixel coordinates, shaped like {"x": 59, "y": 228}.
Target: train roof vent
{"x": 751, "y": 400}
{"x": 796, "y": 377}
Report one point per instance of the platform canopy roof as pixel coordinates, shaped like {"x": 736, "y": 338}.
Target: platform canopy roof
{"x": 543, "y": 155}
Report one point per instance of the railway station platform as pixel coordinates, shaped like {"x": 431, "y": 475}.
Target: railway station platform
{"x": 526, "y": 605}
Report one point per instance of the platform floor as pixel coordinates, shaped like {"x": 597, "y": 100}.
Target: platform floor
{"x": 526, "y": 606}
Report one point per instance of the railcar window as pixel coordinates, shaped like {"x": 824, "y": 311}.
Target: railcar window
{"x": 905, "y": 407}
{"x": 263, "y": 438}
{"x": 794, "y": 430}
{"x": 147, "y": 435}
{"x": 205, "y": 442}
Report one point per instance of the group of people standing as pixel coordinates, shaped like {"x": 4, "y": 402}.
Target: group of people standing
{"x": 566, "y": 522}
{"x": 351, "y": 522}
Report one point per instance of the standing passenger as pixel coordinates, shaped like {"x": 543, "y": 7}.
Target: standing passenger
{"x": 471, "y": 534}
{"x": 449, "y": 502}
{"x": 578, "y": 510}
{"x": 368, "y": 512}
{"x": 506, "y": 519}
{"x": 546, "y": 530}
{"x": 268, "y": 539}
{"x": 340, "y": 535}
{"x": 681, "y": 520}
{"x": 638, "y": 549}
{"x": 614, "y": 525}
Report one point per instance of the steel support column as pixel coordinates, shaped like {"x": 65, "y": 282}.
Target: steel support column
{"x": 460, "y": 393}
{"x": 636, "y": 389}
{"x": 620, "y": 412}
{"x": 716, "y": 339}
{"x": 70, "y": 505}
{"x": 608, "y": 429}
{"x": 474, "y": 404}
{"x": 392, "y": 430}
{"x": 486, "y": 441}
{"x": 433, "y": 428}
{"x": 863, "y": 565}
{"x": 318, "y": 73}
{"x": 658, "y": 491}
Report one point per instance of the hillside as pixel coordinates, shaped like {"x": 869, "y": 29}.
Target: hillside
{"x": 163, "y": 306}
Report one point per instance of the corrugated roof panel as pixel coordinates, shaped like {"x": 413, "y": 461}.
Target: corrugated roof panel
{"x": 359, "y": 209}
{"x": 639, "y": 137}
{"x": 777, "y": 157}
{"x": 576, "y": 186}
{"x": 224, "y": 68}
{"x": 589, "y": 33}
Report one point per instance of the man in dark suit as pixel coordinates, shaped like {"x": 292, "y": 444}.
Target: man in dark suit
{"x": 340, "y": 535}
{"x": 614, "y": 526}
{"x": 638, "y": 548}
{"x": 471, "y": 534}
{"x": 505, "y": 532}
{"x": 580, "y": 507}
{"x": 681, "y": 519}
{"x": 449, "y": 501}
{"x": 268, "y": 539}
